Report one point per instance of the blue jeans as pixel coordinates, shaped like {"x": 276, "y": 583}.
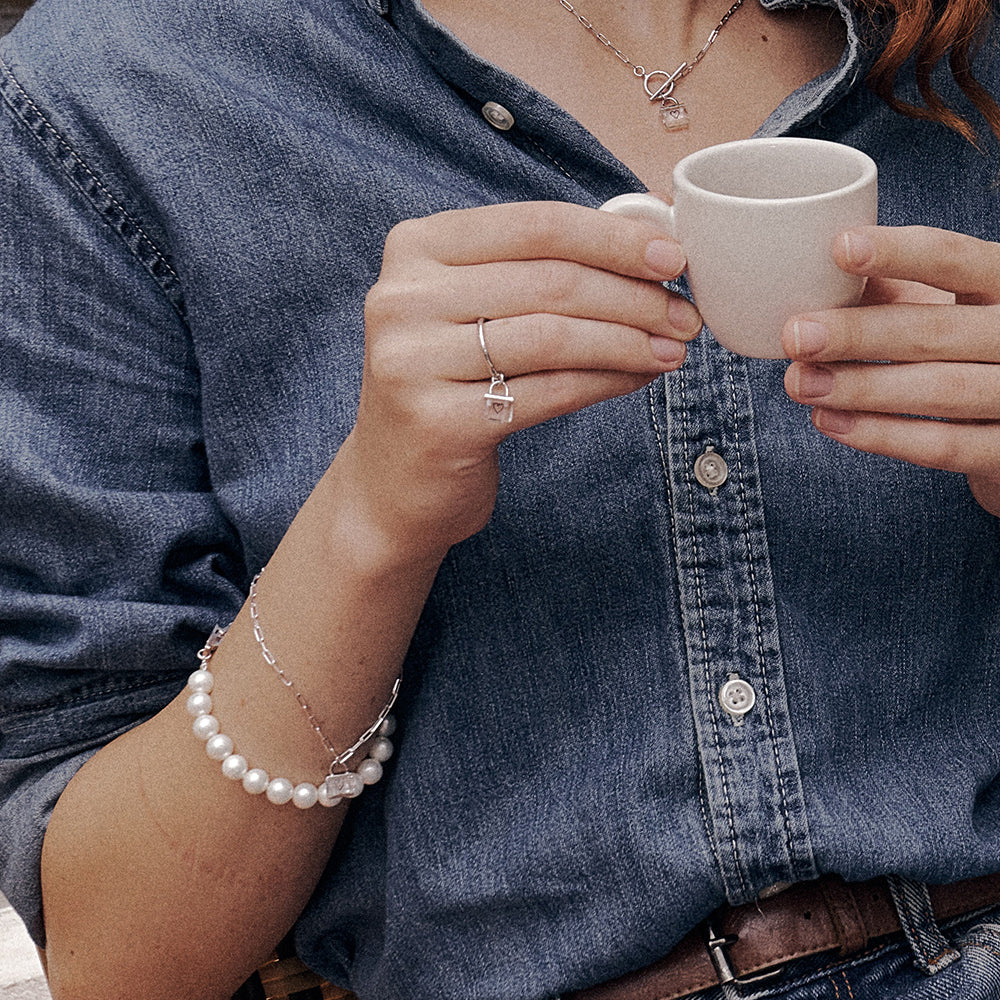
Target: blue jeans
{"x": 959, "y": 960}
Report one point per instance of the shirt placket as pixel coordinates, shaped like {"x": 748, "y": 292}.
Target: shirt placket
{"x": 752, "y": 796}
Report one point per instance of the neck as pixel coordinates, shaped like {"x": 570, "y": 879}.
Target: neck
{"x": 686, "y": 22}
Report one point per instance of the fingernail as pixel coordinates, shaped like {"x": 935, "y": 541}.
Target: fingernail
{"x": 665, "y": 257}
{"x": 813, "y": 381}
{"x": 683, "y": 316}
{"x": 859, "y": 249}
{"x": 666, "y": 350}
{"x": 833, "y": 421}
{"x": 809, "y": 337}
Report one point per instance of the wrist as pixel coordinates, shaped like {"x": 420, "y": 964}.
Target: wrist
{"x": 387, "y": 520}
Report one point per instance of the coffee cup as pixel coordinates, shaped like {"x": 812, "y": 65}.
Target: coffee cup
{"x": 757, "y": 220}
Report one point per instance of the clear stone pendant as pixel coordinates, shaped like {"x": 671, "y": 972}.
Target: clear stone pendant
{"x": 499, "y": 401}
{"x": 674, "y": 115}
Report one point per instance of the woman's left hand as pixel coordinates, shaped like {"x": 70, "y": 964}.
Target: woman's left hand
{"x": 932, "y": 308}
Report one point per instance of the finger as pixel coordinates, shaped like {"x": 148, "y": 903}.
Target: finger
{"x": 936, "y": 389}
{"x": 521, "y": 288}
{"x": 537, "y": 231}
{"x": 952, "y": 261}
{"x": 936, "y": 444}
{"x": 888, "y": 291}
{"x": 902, "y": 332}
{"x": 986, "y": 490}
{"x": 547, "y": 342}
{"x": 540, "y": 396}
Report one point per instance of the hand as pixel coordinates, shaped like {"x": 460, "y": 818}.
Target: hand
{"x": 576, "y": 314}
{"x": 932, "y": 307}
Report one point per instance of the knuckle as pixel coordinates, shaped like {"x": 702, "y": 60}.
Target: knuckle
{"x": 401, "y": 241}
{"x": 949, "y": 244}
{"x": 941, "y": 448}
{"x": 560, "y": 282}
{"x": 390, "y": 359}
{"x": 558, "y": 335}
{"x": 392, "y": 300}
{"x": 852, "y": 339}
{"x": 379, "y": 302}
{"x": 957, "y": 389}
{"x": 540, "y": 220}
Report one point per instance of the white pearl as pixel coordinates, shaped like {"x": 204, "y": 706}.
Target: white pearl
{"x": 326, "y": 798}
{"x": 279, "y": 791}
{"x": 219, "y": 747}
{"x": 199, "y": 704}
{"x": 234, "y": 767}
{"x": 369, "y": 771}
{"x": 381, "y": 749}
{"x": 256, "y": 781}
{"x": 201, "y": 680}
{"x": 305, "y": 795}
{"x": 205, "y": 726}
{"x": 388, "y": 726}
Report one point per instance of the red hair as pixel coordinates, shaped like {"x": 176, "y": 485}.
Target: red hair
{"x": 929, "y": 31}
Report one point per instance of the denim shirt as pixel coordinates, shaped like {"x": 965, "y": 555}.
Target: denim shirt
{"x": 195, "y": 200}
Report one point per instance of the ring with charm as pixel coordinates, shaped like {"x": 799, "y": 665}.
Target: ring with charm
{"x": 499, "y": 401}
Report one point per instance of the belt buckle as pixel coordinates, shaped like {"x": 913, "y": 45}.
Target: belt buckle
{"x": 717, "y": 945}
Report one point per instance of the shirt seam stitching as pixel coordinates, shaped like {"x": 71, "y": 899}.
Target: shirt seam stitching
{"x": 709, "y": 833}
{"x": 758, "y": 628}
{"x": 737, "y": 861}
{"x": 541, "y": 149}
{"x": 153, "y": 259}
{"x": 89, "y": 695}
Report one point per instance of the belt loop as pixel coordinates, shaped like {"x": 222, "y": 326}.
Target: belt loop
{"x": 931, "y": 950}
{"x": 842, "y": 905}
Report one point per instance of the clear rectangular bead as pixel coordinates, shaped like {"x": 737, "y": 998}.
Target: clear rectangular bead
{"x": 499, "y": 407}
{"x": 674, "y": 116}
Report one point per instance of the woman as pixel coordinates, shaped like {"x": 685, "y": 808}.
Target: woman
{"x": 214, "y": 365}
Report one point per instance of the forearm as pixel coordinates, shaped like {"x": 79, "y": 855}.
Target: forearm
{"x": 162, "y": 878}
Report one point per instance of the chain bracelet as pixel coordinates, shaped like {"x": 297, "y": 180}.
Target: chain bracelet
{"x": 339, "y": 759}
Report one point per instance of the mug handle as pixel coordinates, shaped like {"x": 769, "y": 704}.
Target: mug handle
{"x": 644, "y": 206}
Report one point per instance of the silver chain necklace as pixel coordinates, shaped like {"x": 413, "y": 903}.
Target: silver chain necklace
{"x": 658, "y": 83}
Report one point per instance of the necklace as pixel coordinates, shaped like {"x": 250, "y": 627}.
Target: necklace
{"x": 658, "y": 83}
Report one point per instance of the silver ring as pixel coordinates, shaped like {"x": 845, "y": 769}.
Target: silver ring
{"x": 499, "y": 401}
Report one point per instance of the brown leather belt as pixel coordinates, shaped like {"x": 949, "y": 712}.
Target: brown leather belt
{"x": 805, "y": 919}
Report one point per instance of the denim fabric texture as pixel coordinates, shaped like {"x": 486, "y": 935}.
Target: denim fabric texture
{"x": 195, "y": 196}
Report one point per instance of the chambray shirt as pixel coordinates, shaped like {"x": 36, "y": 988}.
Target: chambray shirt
{"x": 195, "y": 197}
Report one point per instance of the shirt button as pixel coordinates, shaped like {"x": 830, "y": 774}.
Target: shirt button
{"x": 498, "y": 116}
{"x": 710, "y": 469}
{"x": 737, "y": 697}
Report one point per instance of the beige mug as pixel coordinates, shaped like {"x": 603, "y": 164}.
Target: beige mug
{"x": 757, "y": 219}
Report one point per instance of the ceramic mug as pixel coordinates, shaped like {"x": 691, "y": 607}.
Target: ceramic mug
{"x": 757, "y": 219}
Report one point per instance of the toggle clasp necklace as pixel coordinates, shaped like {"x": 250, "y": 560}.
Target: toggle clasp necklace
{"x": 659, "y": 84}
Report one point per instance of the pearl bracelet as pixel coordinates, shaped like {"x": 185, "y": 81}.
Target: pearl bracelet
{"x": 334, "y": 788}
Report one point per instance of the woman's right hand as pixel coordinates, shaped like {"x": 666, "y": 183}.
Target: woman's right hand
{"x": 576, "y": 313}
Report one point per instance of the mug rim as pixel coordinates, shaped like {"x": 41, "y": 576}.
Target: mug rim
{"x": 869, "y": 170}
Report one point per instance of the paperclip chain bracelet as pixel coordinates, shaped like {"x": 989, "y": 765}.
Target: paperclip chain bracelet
{"x": 335, "y": 787}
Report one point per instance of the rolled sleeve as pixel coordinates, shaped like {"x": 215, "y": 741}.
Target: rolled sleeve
{"x": 115, "y": 559}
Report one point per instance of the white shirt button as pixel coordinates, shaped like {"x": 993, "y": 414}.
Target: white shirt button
{"x": 737, "y": 697}
{"x": 498, "y": 116}
{"x": 710, "y": 469}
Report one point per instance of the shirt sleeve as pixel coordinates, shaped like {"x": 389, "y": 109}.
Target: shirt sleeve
{"x": 115, "y": 557}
